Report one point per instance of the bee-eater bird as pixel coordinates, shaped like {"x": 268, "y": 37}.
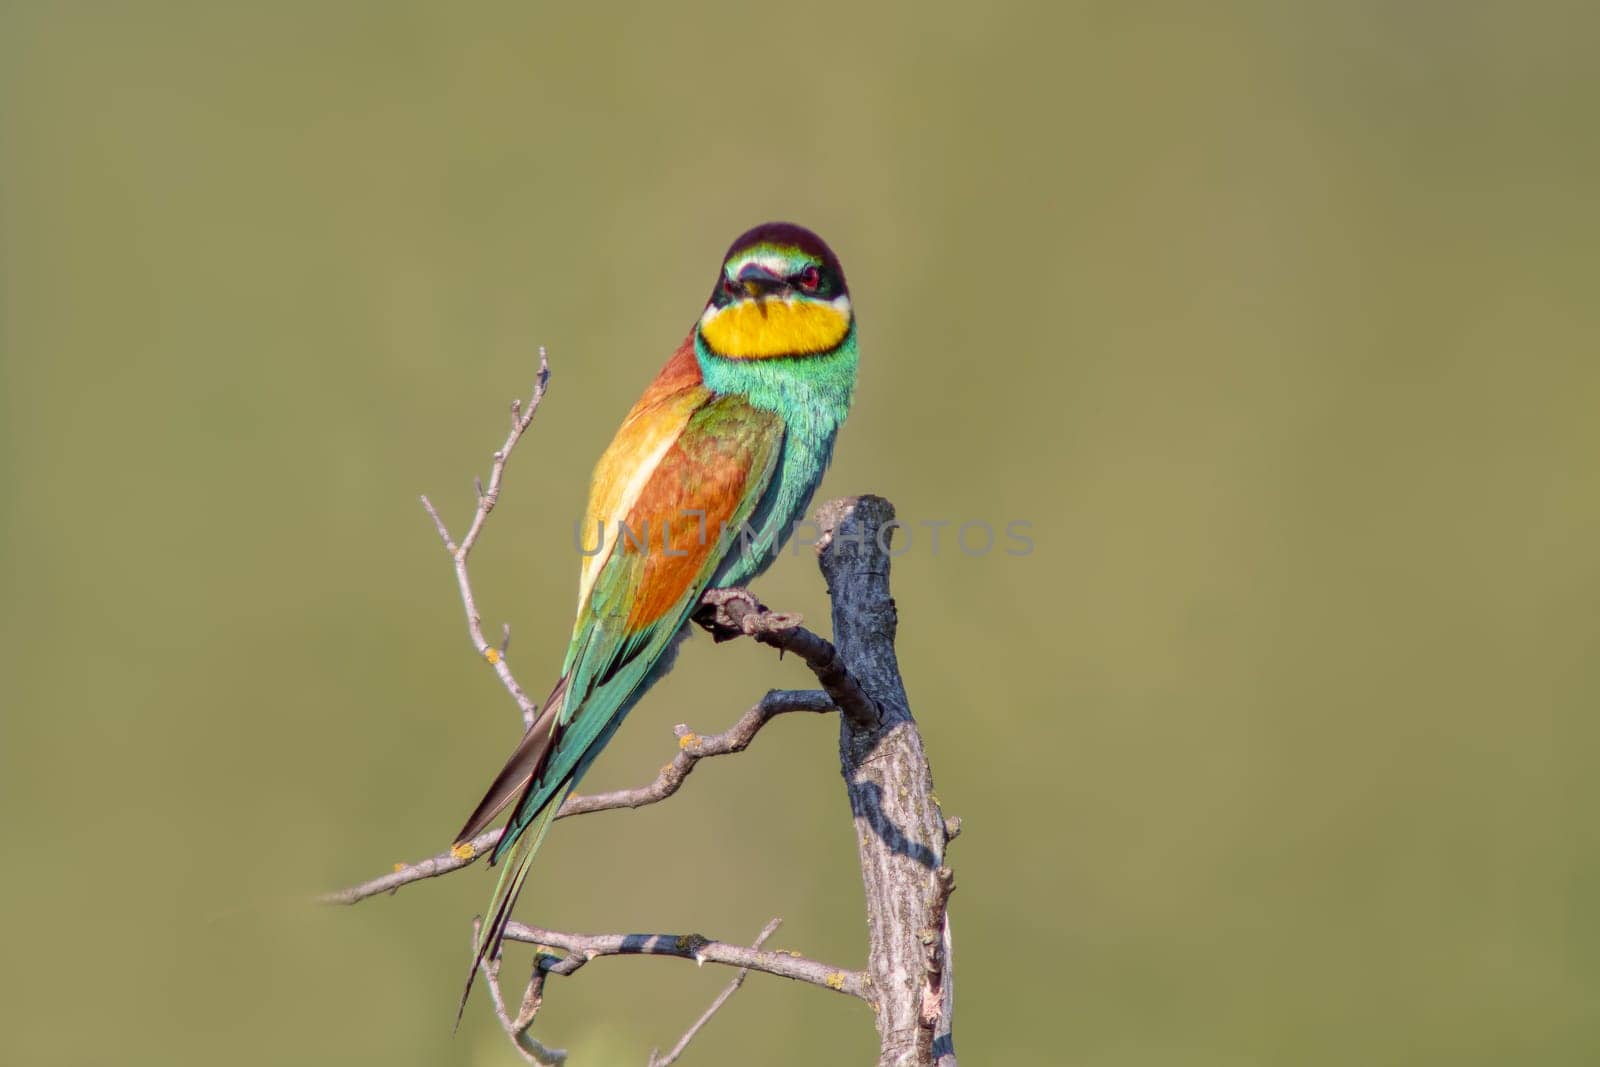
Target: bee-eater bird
{"x": 699, "y": 489}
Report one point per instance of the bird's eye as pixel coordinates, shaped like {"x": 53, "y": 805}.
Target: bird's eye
{"x": 729, "y": 286}
{"x": 810, "y": 279}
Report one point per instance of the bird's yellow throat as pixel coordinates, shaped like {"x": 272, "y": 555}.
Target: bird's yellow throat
{"x": 767, "y": 329}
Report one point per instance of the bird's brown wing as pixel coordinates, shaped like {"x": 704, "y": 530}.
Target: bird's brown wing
{"x": 525, "y": 764}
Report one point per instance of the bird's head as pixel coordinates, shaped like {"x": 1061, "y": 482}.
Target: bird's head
{"x": 780, "y": 293}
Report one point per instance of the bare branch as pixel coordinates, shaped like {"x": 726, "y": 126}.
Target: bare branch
{"x": 527, "y": 1046}
{"x": 658, "y": 1060}
{"x": 730, "y": 613}
{"x": 901, "y": 835}
{"x": 692, "y": 748}
{"x": 406, "y": 873}
{"x": 487, "y": 498}
{"x": 579, "y": 949}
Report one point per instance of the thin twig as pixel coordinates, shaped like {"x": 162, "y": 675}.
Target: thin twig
{"x": 658, "y": 1060}
{"x": 517, "y": 1029}
{"x": 734, "y": 612}
{"x": 406, "y": 873}
{"x": 494, "y": 655}
{"x": 581, "y": 948}
{"x": 692, "y": 748}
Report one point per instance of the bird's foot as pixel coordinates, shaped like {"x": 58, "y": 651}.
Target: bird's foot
{"x": 734, "y": 612}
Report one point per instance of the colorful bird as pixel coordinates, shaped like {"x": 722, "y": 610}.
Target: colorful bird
{"x": 698, "y": 490}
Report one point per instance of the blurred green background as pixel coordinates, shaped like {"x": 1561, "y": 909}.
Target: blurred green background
{"x": 1277, "y": 322}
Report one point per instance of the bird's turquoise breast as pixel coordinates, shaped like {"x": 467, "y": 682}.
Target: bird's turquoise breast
{"x": 812, "y": 395}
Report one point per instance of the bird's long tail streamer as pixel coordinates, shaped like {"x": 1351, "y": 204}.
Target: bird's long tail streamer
{"x": 512, "y": 874}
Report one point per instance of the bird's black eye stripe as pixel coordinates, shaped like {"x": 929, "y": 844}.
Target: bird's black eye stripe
{"x": 814, "y": 280}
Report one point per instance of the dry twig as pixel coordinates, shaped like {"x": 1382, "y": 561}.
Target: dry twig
{"x": 730, "y": 613}
{"x": 579, "y": 949}
{"x": 658, "y": 1060}
{"x": 517, "y": 1029}
{"x": 692, "y": 748}
{"x": 495, "y": 655}
{"x": 565, "y": 954}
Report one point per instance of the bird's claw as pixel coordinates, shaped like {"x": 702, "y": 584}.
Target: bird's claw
{"x": 722, "y": 612}
{"x": 735, "y": 612}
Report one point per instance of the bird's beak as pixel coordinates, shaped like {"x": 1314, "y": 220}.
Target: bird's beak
{"x": 758, "y": 283}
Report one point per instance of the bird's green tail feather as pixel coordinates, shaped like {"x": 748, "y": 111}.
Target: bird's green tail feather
{"x": 512, "y": 874}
